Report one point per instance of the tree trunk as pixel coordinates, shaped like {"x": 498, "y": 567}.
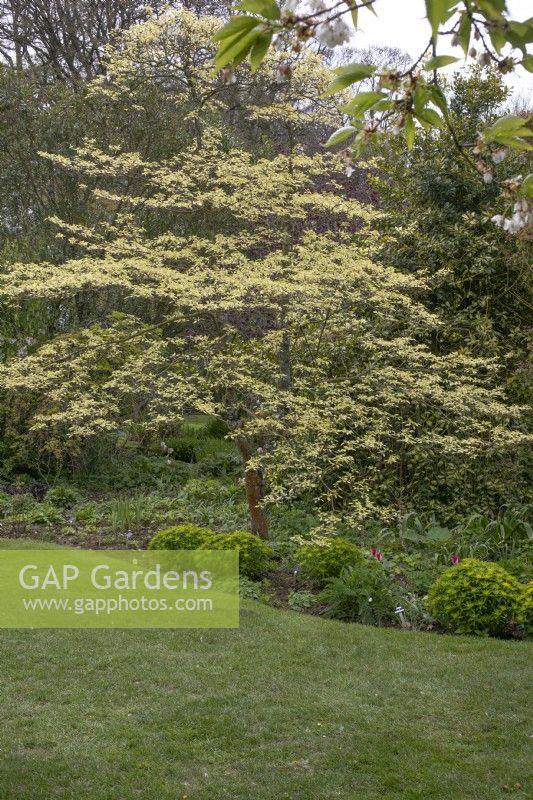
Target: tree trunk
{"x": 253, "y": 484}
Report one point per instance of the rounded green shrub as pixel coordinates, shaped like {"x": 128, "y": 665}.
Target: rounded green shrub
{"x": 476, "y": 597}
{"x": 254, "y": 555}
{"x": 181, "y": 537}
{"x": 320, "y": 561}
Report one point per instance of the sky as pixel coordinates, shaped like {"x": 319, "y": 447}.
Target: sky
{"x": 402, "y": 23}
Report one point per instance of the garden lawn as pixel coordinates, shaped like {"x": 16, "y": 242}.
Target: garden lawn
{"x": 288, "y": 706}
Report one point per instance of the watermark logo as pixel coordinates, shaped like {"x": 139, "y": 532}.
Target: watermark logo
{"x": 119, "y": 589}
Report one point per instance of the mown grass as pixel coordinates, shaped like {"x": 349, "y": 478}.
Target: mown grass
{"x": 288, "y": 706}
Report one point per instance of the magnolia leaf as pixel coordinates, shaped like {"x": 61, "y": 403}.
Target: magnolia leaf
{"x": 464, "y": 31}
{"x": 353, "y": 73}
{"x": 498, "y": 39}
{"x": 519, "y": 34}
{"x": 362, "y": 102}
{"x": 383, "y": 105}
{"x": 235, "y": 26}
{"x": 440, "y": 61}
{"x": 527, "y": 62}
{"x": 267, "y": 8}
{"x": 420, "y": 98}
{"x": 340, "y": 135}
{"x": 236, "y": 48}
{"x": 437, "y": 97}
{"x": 514, "y": 143}
{"x": 431, "y": 118}
{"x": 491, "y": 8}
{"x": 437, "y": 13}
{"x": 507, "y": 126}
{"x": 260, "y": 49}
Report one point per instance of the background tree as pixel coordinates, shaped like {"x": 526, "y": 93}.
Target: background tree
{"x": 212, "y": 279}
{"x": 411, "y": 99}
{"x": 437, "y": 224}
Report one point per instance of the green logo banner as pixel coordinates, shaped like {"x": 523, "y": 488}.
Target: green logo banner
{"x": 119, "y": 589}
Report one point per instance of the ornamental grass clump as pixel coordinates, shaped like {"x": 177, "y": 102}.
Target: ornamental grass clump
{"x": 320, "y": 561}
{"x": 477, "y": 597}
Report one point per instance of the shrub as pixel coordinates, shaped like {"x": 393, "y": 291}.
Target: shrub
{"x": 5, "y": 504}
{"x": 519, "y": 568}
{"x": 254, "y": 555}
{"x": 414, "y": 572}
{"x": 320, "y": 561}
{"x": 528, "y": 607}
{"x": 250, "y": 590}
{"x": 210, "y": 491}
{"x": 86, "y": 513}
{"x": 62, "y": 496}
{"x": 133, "y": 472}
{"x": 44, "y": 514}
{"x": 301, "y": 601}
{"x": 476, "y": 597}
{"x": 217, "y": 428}
{"x": 224, "y": 464}
{"x": 181, "y": 537}
{"x": 361, "y": 593}
{"x": 184, "y": 448}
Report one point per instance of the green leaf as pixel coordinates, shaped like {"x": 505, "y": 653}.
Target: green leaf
{"x": 514, "y": 143}
{"x": 520, "y": 33}
{"x": 383, "y": 105}
{"x": 362, "y": 102}
{"x": 234, "y": 26}
{"x": 348, "y": 75}
{"x": 409, "y": 131}
{"x": 420, "y": 98}
{"x": 439, "y": 61}
{"x": 260, "y": 49}
{"x": 341, "y": 135}
{"x": 438, "y": 534}
{"x": 431, "y": 118}
{"x": 527, "y": 62}
{"x": 437, "y": 97}
{"x": 233, "y": 49}
{"x": 507, "y": 126}
{"x": 527, "y": 185}
{"x": 267, "y": 8}
{"x": 464, "y": 31}
{"x": 498, "y": 39}
{"x": 492, "y": 8}
{"x": 437, "y": 13}
{"x": 355, "y": 14}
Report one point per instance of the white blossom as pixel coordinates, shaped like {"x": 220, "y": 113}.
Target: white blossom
{"x": 289, "y": 7}
{"x": 511, "y": 226}
{"x": 333, "y": 33}
{"x": 316, "y": 6}
{"x": 499, "y": 155}
{"x": 521, "y": 206}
